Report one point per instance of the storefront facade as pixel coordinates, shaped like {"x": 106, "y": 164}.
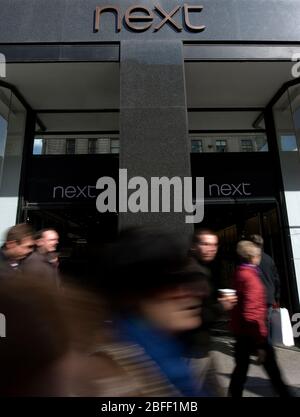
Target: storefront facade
{"x": 167, "y": 88}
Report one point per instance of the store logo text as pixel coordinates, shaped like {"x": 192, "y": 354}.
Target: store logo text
{"x": 140, "y": 18}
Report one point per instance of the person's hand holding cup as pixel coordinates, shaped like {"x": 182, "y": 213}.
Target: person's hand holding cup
{"x": 228, "y": 298}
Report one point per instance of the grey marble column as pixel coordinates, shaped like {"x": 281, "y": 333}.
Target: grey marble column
{"x": 153, "y": 122}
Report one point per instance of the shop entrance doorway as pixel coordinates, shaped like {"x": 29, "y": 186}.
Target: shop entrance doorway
{"x": 237, "y": 220}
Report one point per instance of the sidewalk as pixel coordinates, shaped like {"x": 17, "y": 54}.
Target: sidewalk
{"x": 257, "y": 384}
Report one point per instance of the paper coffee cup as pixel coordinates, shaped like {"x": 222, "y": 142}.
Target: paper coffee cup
{"x": 227, "y": 291}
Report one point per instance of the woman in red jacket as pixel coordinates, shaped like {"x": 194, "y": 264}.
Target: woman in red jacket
{"x": 249, "y": 323}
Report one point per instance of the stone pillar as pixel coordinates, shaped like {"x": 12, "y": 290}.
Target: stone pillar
{"x": 153, "y": 122}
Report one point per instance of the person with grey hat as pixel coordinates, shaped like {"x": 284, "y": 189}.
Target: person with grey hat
{"x": 269, "y": 276}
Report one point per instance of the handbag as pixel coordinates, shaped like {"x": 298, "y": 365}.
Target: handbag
{"x": 281, "y": 328}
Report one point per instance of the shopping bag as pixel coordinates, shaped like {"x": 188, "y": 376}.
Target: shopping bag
{"x": 281, "y": 328}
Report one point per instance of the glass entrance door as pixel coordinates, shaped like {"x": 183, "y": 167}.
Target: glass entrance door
{"x": 239, "y": 220}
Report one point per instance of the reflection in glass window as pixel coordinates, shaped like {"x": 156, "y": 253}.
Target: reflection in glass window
{"x": 261, "y": 145}
{"x": 3, "y": 134}
{"x": 197, "y": 145}
{"x": 81, "y": 145}
{"x": 296, "y": 116}
{"x": 229, "y": 142}
{"x": 92, "y": 146}
{"x": 38, "y": 146}
{"x": 247, "y": 145}
{"x": 70, "y": 146}
{"x": 104, "y": 145}
{"x": 115, "y": 146}
{"x": 12, "y": 129}
{"x": 221, "y": 145}
{"x": 288, "y": 143}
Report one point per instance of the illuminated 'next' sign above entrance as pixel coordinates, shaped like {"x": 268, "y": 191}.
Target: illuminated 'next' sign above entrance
{"x": 141, "y": 18}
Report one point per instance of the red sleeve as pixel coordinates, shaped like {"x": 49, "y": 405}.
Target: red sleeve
{"x": 253, "y": 309}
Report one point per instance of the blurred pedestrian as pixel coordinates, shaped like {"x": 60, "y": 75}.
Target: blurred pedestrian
{"x": 153, "y": 296}
{"x": 44, "y": 260}
{"x": 48, "y": 339}
{"x": 198, "y": 342}
{"x": 18, "y": 244}
{"x": 204, "y": 249}
{"x": 249, "y": 323}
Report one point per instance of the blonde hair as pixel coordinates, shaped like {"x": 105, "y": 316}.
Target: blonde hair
{"x": 247, "y": 250}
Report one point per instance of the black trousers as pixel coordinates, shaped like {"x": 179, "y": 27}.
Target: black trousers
{"x": 244, "y": 348}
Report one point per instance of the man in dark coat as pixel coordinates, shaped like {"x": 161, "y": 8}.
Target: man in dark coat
{"x": 43, "y": 261}
{"x": 198, "y": 342}
{"x": 204, "y": 249}
{"x": 18, "y": 244}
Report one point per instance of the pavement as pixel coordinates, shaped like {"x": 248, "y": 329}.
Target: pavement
{"x": 257, "y": 384}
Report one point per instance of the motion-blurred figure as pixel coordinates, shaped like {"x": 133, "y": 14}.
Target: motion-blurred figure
{"x": 153, "y": 295}
{"x": 204, "y": 250}
{"x": 249, "y": 319}
{"x": 198, "y": 342}
{"x": 44, "y": 260}
{"x": 18, "y": 244}
{"x": 48, "y": 338}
